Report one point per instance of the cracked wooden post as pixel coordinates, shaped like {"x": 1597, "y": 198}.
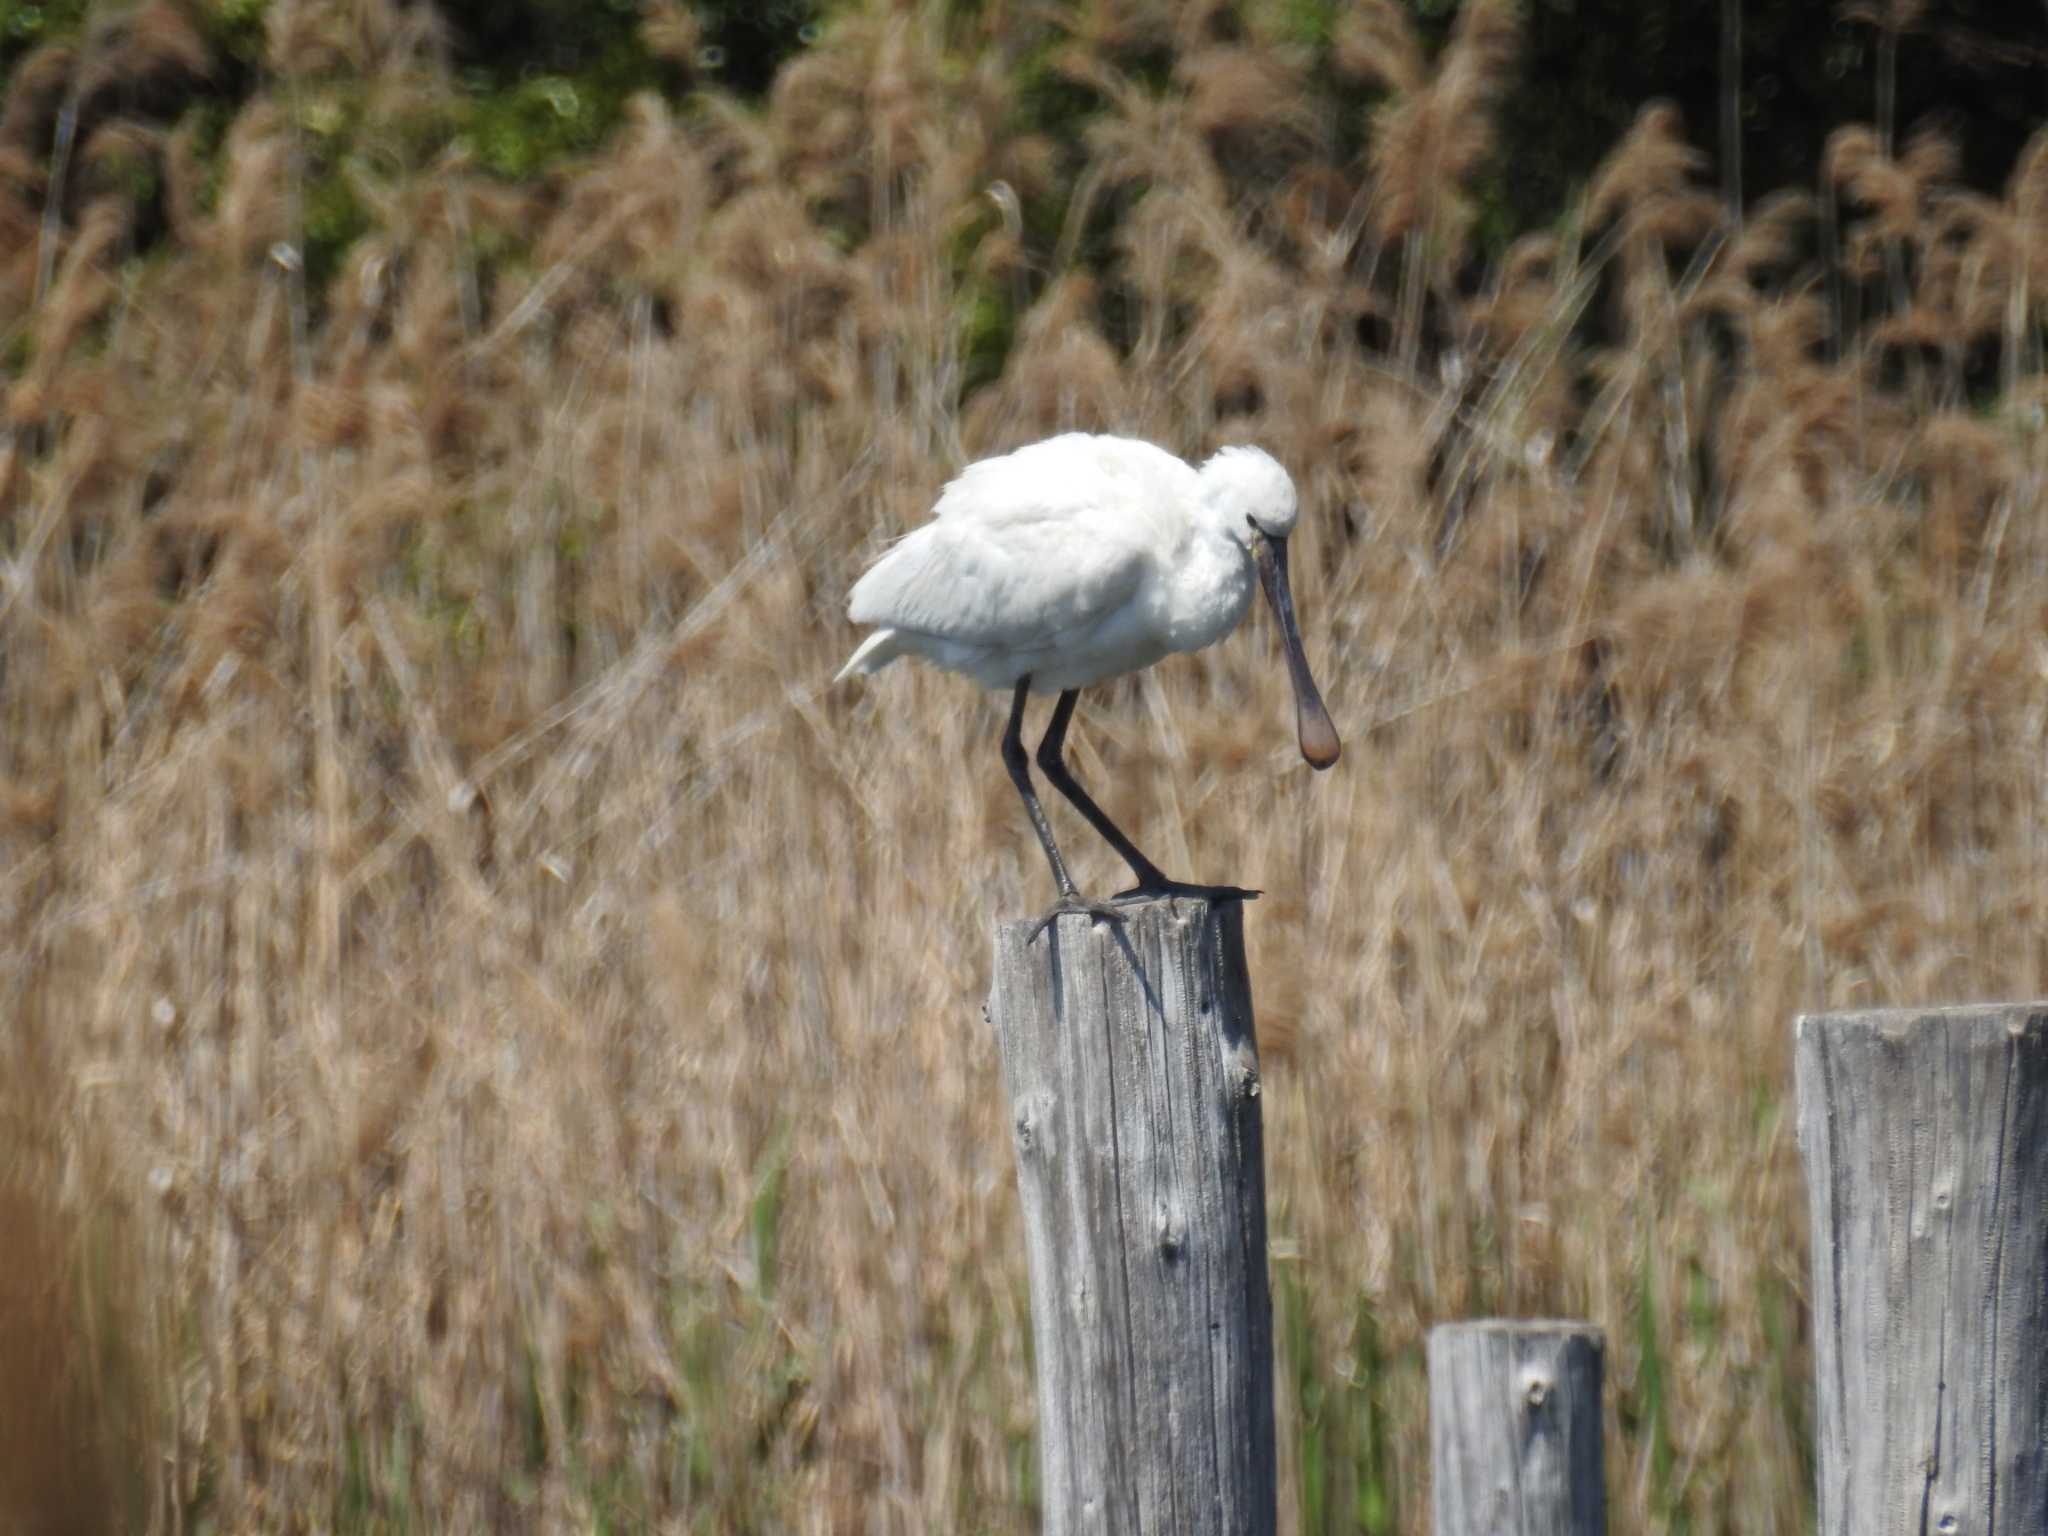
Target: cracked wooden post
{"x": 1514, "y": 1429}
{"x": 1133, "y": 1083}
{"x": 1925, "y": 1136}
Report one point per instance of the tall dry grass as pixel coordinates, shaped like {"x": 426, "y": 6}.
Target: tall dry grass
{"x": 494, "y": 1040}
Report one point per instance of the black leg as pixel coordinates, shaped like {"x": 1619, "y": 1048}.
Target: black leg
{"x": 1152, "y": 881}
{"x": 1052, "y": 762}
{"x": 1020, "y": 775}
{"x": 1014, "y": 759}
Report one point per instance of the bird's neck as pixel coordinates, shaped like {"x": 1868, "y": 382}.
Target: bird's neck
{"x": 1211, "y": 587}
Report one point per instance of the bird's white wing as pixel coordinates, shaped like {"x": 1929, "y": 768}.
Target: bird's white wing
{"x": 1020, "y": 576}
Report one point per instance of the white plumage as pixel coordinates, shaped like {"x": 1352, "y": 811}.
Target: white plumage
{"x": 1071, "y": 561}
{"x": 1077, "y": 559}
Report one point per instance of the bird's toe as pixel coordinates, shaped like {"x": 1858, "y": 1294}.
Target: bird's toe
{"x": 1076, "y": 905}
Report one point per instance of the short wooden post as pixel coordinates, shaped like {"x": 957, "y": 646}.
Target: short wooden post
{"x": 1514, "y": 1429}
{"x": 1925, "y": 1135}
{"x": 1133, "y": 1082}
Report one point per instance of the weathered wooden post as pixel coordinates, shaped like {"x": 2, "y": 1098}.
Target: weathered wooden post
{"x": 1925, "y": 1135}
{"x": 1133, "y": 1082}
{"x": 1514, "y": 1429}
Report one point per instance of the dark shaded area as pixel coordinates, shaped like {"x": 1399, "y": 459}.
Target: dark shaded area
{"x": 499, "y": 45}
{"x": 1977, "y": 67}
{"x": 752, "y": 41}
{"x": 743, "y": 43}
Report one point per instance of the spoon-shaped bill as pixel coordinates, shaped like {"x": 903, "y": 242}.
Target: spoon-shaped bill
{"x": 1318, "y": 736}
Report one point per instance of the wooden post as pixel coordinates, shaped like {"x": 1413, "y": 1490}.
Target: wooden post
{"x": 1514, "y": 1429}
{"x": 1925, "y": 1134}
{"x": 1133, "y": 1082}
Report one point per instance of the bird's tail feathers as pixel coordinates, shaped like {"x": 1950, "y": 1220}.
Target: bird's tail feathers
{"x": 875, "y": 653}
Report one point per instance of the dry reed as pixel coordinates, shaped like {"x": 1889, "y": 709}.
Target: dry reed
{"x": 494, "y": 1040}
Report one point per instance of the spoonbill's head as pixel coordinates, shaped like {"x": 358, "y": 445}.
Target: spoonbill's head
{"x": 1251, "y": 491}
{"x": 1255, "y": 498}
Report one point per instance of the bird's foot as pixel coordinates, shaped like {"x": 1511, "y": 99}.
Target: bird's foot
{"x": 1149, "y": 890}
{"x": 1073, "y": 903}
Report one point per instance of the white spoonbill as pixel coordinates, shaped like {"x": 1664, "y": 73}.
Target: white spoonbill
{"x": 1078, "y": 559}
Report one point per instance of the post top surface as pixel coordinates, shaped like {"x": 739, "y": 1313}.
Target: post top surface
{"x": 2004, "y": 1016}
{"x": 1177, "y": 907}
{"x": 1526, "y": 1326}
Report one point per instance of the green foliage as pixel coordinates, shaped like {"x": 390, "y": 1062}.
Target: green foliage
{"x": 519, "y": 130}
{"x": 235, "y": 30}
{"x": 27, "y": 24}
{"x": 333, "y": 219}
{"x": 130, "y": 175}
{"x": 1308, "y": 23}
{"x": 376, "y": 1494}
{"x": 1644, "y": 1410}
{"x": 765, "y": 1215}
{"x": 1343, "y": 1461}
{"x": 742, "y": 1379}
{"x": 987, "y": 326}
{"x": 726, "y": 1438}
{"x": 1780, "y": 1311}
{"x": 539, "y": 83}
{"x": 1372, "y": 1493}
{"x": 425, "y": 572}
